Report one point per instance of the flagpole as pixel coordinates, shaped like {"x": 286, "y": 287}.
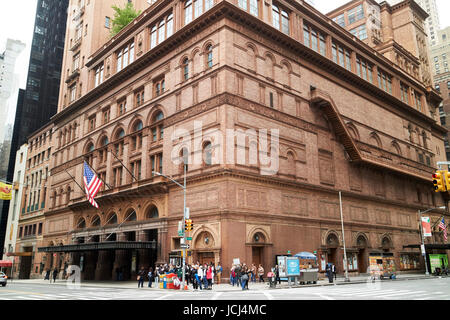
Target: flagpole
{"x": 84, "y": 191}
{"x": 123, "y": 165}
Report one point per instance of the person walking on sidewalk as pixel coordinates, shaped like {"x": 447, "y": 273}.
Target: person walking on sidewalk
{"x": 333, "y": 269}
{"x": 253, "y": 271}
{"x": 47, "y": 275}
{"x": 219, "y": 272}
{"x": 261, "y": 273}
{"x": 277, "y": 273}
{"x": 55, "y": 275}
{"x": 244, "y": 278}
{"x": 140, "y": 278}
{"x": 329, "y": 273}
{"x": 150, "y": 277}
{"x": 199, "y": 276}
{"x": 209, "y": 276}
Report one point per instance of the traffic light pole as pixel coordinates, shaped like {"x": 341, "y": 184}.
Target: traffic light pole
{"x": 184, "y": 217}
{"x": 184, "y": 233}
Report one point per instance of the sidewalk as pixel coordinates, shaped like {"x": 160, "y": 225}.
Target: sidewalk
{"x": 223, "y": 287}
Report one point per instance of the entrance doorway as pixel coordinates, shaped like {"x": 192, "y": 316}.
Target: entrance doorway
{"x": 25, "y": 264}
{"x": 332, "y": 246}
{"x": 206, "y": 257}
{"x": 363, "y": 258}
{"x": 257, "y": 256}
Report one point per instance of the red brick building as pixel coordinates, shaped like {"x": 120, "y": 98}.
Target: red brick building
{"x": 349, "y": 117}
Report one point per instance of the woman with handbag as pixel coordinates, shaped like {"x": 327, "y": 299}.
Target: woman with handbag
{"x": 140, "y": 278}
{"x": 244, "y": 278}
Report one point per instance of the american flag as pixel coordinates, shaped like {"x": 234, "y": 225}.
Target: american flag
{"x": 443, "y": 227}
{"x": 92, "y": 184}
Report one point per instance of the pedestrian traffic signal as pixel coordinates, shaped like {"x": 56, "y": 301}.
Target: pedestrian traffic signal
{"x": 188, "y": 225}
{"x": 438, "y": 181}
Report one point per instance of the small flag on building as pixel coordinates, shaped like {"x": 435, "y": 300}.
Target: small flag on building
{"x": 5, "y": 191}
{"x": 443, "y": 227}
{"x": 92, "y": 184}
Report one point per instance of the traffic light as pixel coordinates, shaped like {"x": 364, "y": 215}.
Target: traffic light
{"x": 438, "y": 181}
{"x": 188, "y": 225}
{"x": 447, "y": 180}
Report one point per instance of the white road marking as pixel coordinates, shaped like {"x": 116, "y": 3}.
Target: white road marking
{"x": 164, "y": 296}
{"x": 216, "y": 295}
{"x": 268, "y": 295}
{"x": 325, "y": 297}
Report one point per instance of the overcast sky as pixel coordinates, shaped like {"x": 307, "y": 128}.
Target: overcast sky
{"x": 17, "y": 22}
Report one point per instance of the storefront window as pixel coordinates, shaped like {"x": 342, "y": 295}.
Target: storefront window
{"x": 352, "y": 261}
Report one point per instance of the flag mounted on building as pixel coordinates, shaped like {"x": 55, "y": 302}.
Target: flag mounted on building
{"x": 91, "y": 183}
{"x": 5, "y": 191}
{"x": 443, "y": 227}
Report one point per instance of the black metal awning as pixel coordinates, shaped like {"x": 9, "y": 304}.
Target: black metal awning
{"x": 95, "y": 246}
{"x": 429, "y": 246}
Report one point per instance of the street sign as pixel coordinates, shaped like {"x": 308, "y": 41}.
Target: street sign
{"x": 186, "y": 214}
{"x": 180, "y": 233}
{"x": 185, "y": 246}
{"x": 189, "y": 238}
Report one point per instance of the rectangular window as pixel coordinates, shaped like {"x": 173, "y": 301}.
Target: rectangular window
{"x": 107, "y": 22}
{"x": 99, "y": 71}
{"x": 92, "y": 123}
{"x": 404, "y": 92}
{"x": 306, "y": 36}
{"x": 106, "y": 114}
{"x": 314, "y": 40}
{"x": 139, "y": 98}
{"x": 125, "y": 56}
{"x": 340, "y": 20}
{"x": 334, "y": 52}
{"x": 73, "y": 93}
{"x": 323, "y": 45}
{"x": 122, "y": 107}
{"x": 356, "y": 14}
{"x": 360, "y": 32}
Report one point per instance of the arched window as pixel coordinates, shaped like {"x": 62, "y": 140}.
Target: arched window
{"x": 95, "y": 221}
{"x": 81, "y": 224}
{"x": 136, "y": 138}
{"x": 112, "y": 219}
{"x": 152, "y": 213}
{"x": 103, "y": 152}
{"x": 207, "y": 154}
{"x": 157, "y": 128}
{"x": 186, "y": 69}
{"x": 131, "y": 216}
{"x": 169, "y": 25}
{"x": 118, "y": 146}
{"x": 209, "y": 56}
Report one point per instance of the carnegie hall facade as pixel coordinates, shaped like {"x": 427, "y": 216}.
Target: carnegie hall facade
{"x": 342, "y": 114}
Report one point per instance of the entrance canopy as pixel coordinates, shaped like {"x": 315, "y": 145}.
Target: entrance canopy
{"x": 429, "y": 246}
{"x": 5, "y": 263}
{"x": 306, "y": 255}
{"x": 96, "y": 246}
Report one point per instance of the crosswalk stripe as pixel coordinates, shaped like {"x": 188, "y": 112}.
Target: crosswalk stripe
{"x": 216, "y": 295}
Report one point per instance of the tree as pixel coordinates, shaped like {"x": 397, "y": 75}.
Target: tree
{"x": 122, "y": 17}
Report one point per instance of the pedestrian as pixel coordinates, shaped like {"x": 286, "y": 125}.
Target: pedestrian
{"x": 55, "y": 275}
{"x": 232, "y": 275}
{"x": 253, "y": 275}
{"x": 150, "y": 277}
{"x": 209, "y": 276}
{"x": 333, "y": 269}
{"x": 199, "y": 276}
{"x": 117, "y": 274}
{"x": 261, "y": 273}
{"x": 277, "y": 273}
{"x": 47, "y": 275}
{"x": 329, "y": 273}
{"x": 141, "y": 278}
{"x": 219, "y": 272}
{"x": 244, "y": 278}
{"x": 248, "y": 271}
{"x": 238, "y": 274}
{"x": 205, "y": 278}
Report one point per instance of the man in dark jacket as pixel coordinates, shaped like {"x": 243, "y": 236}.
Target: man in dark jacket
{"x": 55, "y": 275}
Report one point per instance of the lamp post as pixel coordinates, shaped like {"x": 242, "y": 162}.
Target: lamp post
{"x": 184, "y": 218}
{"x": 343, "y": 239}
{"x": 424, "y": 252}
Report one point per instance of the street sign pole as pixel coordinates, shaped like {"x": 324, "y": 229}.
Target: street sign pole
{"x": 343, "y": 240}
{"x": 424, "y": 251}
{"x": 184, "y": 233}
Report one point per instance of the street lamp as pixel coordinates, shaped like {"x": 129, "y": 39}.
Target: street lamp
{"x": 424, "y": 252}
{"x": 184, "y": 216}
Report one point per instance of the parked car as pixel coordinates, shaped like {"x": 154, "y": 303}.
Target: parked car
{"x": 3, "y": 279}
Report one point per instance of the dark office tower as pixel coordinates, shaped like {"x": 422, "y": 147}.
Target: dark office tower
{"x": 40, "y": 101}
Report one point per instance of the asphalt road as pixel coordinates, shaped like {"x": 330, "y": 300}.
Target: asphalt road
{"x": 429, "y": 289}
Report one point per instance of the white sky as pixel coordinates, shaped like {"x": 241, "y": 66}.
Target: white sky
{"x": 17, "y": 22}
